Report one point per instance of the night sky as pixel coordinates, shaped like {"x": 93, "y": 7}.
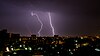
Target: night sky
{"x": 69, "y": 17}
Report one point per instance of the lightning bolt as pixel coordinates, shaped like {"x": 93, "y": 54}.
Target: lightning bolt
{"x": 49, "y": 14}
{"x": 34, "y": 14}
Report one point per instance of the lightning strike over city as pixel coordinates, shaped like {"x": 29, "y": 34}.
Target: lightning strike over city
{"x": 49, "y": 28}
{"x": 53, "y": 32}
{"x": 34, "y": 14}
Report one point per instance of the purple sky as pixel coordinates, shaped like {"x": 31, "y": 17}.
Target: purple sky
{"x": 69, "y": 17}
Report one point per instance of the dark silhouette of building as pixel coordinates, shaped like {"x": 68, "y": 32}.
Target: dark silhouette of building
{"x": 3, "y": 37}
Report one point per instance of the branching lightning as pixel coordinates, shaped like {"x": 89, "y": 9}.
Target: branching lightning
{"x": 34, "y": 14}
{"x": 49, "y": 14}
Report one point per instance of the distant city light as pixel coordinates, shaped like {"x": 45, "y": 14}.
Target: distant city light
{"x": 11, "y": 46}
{"x": 12, "y": 49}
{"x": 14, "y": 53}
{"x": 69, "y": 49}
{"x": 96, "y": 49}
{"x": 20, "y": 45}
{"x": 30, "y": 48}
{"x": 71, "y": 53}
{"x": 58, "y": 52}
{"x": 53, "y": 47}
{"x": 82, "y": 38}
{"x": 23, "y": 45}
{"x": 39, "y": 48}
{"x": 85, "y": 44}
{"x": 7, "y": 49}
{"x": 26, "y": 49}
{"x": 76, "y": 41}
{"x": 8, "y": 55}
